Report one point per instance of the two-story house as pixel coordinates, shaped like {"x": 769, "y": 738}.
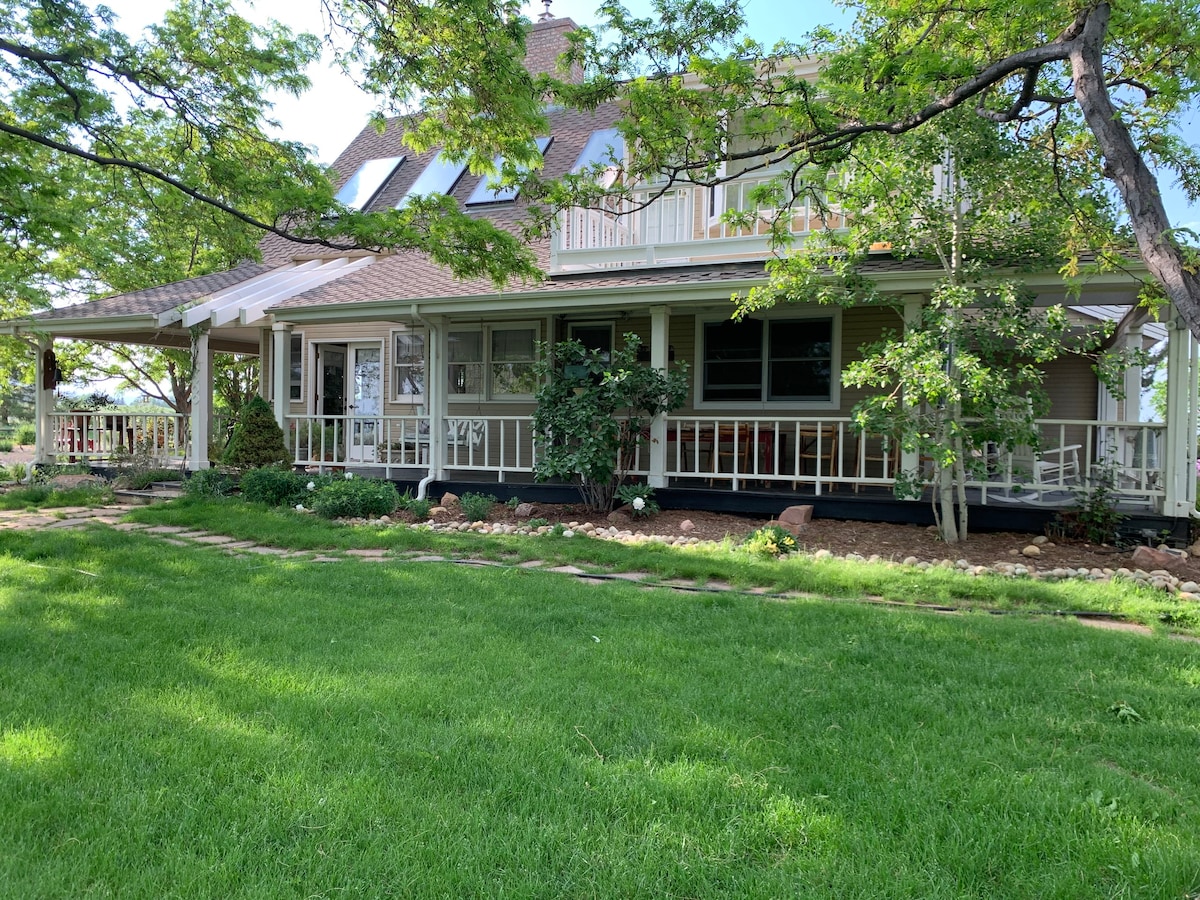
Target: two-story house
{"x": 385, "y": 363}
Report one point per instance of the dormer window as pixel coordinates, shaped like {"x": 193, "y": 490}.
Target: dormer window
{"x": 364, "y": 185}
{"x": 439, "y": 177}
{"x": 489, "y": 190}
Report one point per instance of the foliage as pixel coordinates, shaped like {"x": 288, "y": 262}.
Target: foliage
{"x": 275, "y": 486}
{"x": 418, "y": 508}
{"x": 639, "y": 497}
{"x": 44, "y": 496}
{"x": 770, "y": 540}
{"x": 476, "y": 507}
{"x": 354, "y": 498}
{"x": 209, "y": 483}
{"x": 1095, "y": 517}
{"x": 25, "y": 434}
{"x": 257, "y": 438}
{"x": 140, "y": 478}
{"x": 589, "y": 427}
{"x": 5, "y": 445}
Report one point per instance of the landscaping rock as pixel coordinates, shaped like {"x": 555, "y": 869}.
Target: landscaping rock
{"x": 1148, "y": 558}
{"x": 794, "y": 518}
{"x": 687, "y": 526}
{"x": 1032, "y": 550}
{"x": 449, "y": 499}
{"x": 525, "y": 511}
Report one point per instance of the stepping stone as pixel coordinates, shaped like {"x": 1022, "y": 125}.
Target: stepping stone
{"x": 630, "y": 576}
{"x": 266, "y": 551}
{"x": 192, "y": 535}
{"x": 212, "y": 539}
{"x": 428, "y": 559}
{"x": 479, "y": 562}
{"x": 368, "y": 553}
{"x": 165, "y": 529}
{"x": 325, "y": 559}
{"x": 239, "y": 545}
{"x": 531, "y": 564}
{"x": 568, "y": 570}
{"x": 70, "y": 523}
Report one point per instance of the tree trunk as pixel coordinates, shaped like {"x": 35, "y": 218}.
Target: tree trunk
{"x": 1127, "y": 169}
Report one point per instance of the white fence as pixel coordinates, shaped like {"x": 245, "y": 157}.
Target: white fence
{"x": 88, "y": 437}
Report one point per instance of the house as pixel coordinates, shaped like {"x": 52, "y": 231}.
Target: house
{"x": 385, "y": 363}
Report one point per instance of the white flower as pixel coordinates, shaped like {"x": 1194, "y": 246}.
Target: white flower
{"x": 312, "y": 485}
{"x": 349, "y": 475}
{"x": 300, "y": 507}
{"x": 639, "y": 503}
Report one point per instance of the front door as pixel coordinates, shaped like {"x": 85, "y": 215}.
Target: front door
{"x": 366, "y": 402}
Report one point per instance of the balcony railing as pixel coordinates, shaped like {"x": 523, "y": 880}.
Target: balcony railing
{"x": 682, "y": 224}
{"x": 105, "y": 437}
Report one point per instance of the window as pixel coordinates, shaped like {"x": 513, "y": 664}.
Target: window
{"x": 438, "y": 177}
{"x": 603, "y": 148}
{"x": 493, "y": 362}
{"x": 364, "y": 184}
{"x": 408, "y": 365}
{"x": 772, "y": 360}
{"x": 594, "y": 336}
{"x": 296, "y": 366}
{"x": 488, "y": 189}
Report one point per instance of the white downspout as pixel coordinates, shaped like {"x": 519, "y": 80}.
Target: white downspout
{"x": 434, "y": 393}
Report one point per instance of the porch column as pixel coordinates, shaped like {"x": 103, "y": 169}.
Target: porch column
{"x": 281, "y": 365}
{"x": 202, "y": 393}
{"x": 1179, "y": 458}
{"x": 43, "y": 400}
{"x": 265, "y": 378}
{"x": 660, "y": 317}
{"x": 1133, "y": 377}
{"x": 436, "y": 394}
{"x": 910, "y": 460}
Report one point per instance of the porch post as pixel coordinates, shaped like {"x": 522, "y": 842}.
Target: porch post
{"x": 43, "y": 400}
{"x": 1179, "y": 463}
{"x": 660, "y": 317}
{"x": 910, "y": 460}
{"x": 436, "y": 393}
{"x": 202, "y": 391}
{"x": 281, "y": 361}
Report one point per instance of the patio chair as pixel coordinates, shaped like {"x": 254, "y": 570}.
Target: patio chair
{"x": 1059, "y": 466}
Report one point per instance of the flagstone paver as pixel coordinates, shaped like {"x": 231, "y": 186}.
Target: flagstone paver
{"x": 212, "y": 539}
{"x": 368, "y": 552}
{"x": 70, "y": 523}
{"x": 266, "y": 551}
{"x": 165, "y": 529}
{"x": 130, "y": 526}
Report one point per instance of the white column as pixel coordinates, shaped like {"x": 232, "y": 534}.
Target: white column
{"x": 910, "y": 460}
{"x": 43, "y": 399}
{"x": 436, "y": 395}
{"x": 264, "y": 360}
{"x": 202, "y": 396}
{"x": 1179, "y": 457}
{"x": 660, "y": 318}
{"x": 281, "y": 369}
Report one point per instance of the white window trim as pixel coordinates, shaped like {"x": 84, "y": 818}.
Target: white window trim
{"x": 305, "y": 349}
{"x": 486, "y": 330}
{"x": 394, "y": 395}
{"x": 835, "y": 385}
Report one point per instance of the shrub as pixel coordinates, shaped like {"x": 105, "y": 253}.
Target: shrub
{"x": 275, "y": 486}
{"x": 257, "y": 438}
{"x": 208, "y": 483}
{"x": 355, "y": 498}
{"x": 141, "y": 479}
{"x": 770, "y": 540}
{"x": 640, "y": 498}
{"x": 476, "y": 507}
{"x": 25, "y": 434}
{"x": 418, "y": 509}
{"x": 5, "y": 445}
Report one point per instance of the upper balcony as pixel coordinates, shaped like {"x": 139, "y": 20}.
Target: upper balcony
{"x": 685, "y": 225}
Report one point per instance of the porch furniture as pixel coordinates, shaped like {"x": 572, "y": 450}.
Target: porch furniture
{"x": 818, "y": 443}
{"x": 1058, "y": 466}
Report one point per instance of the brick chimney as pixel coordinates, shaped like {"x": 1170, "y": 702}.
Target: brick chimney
{"x": 545, "y": 41}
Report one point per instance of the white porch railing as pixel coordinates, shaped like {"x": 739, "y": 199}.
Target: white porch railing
{"x": 682, "y": 224}
{"x": 91, "y": 437}
{"x": 820, "y": 454}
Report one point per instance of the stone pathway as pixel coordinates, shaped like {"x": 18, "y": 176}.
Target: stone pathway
{"x": 178, "y": 536}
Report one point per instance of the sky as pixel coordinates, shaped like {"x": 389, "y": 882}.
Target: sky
{"x": 334, "y": 111}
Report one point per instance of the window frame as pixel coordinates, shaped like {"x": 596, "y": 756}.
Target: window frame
{"x": 489, "y": 394}
{"x": 595, "y": 324}
{"x": 835, "y": 362}
{"x": 296, "y": 374}
{"x": 394, "y": 365}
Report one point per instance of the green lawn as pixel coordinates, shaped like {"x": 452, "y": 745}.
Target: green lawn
{"x": 192, "y": 724}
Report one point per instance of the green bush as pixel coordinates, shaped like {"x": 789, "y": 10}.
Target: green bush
{"x": 5, "y": 445}
{"x": 275, "y": 486}
{"x": 476, "y": 507}
{"x": 770, "y": 540}
{"x": 257, "y": 438}
{"x": 25, "y": 434}
{"x": 355, "y": 498}
{"x": 419, "y": 509}
{"x": 208, "y": 483}
{"x": 141, "y": 479}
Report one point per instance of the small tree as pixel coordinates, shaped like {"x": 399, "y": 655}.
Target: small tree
{"x": 594, "y": 413}
{"x": 257, "y": 438}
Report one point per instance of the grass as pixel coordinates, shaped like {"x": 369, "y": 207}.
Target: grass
{"x": 829, "y": 578}
{"x": 43, "y": 496}
{"x": 203, "y": 725}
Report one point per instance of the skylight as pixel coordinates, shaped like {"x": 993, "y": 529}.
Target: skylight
{"x": 439, "y": 177}
{"x": 366, "y": 182}
{"x": 606, "y": 147}
{"x": 487, "y": 190}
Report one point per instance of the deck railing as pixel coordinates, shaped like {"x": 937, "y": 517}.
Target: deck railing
{"x": 817, "y": 454}
{"x": 108, "y": 437}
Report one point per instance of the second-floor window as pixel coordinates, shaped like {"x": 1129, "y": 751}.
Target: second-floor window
{"x": 772, "y": 360}
{"x": 493, "y": 362}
